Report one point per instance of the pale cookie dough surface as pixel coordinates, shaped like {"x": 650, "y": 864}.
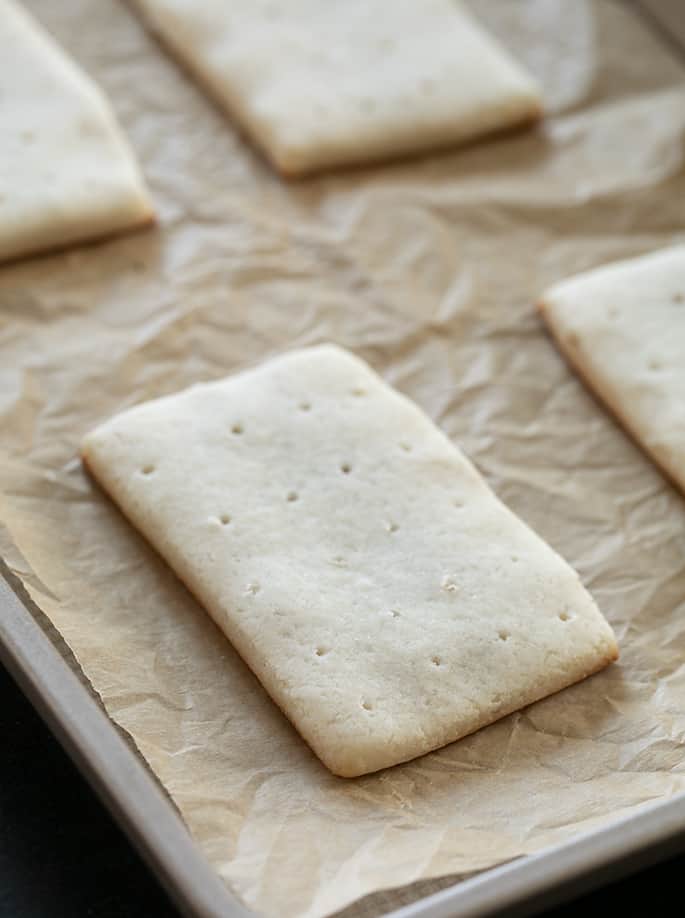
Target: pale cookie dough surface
{"x": 67, "y": 173}
{"x": 385, "y": 598}
{"x": 319, "y": 84}
{"x": 622, "y": 327}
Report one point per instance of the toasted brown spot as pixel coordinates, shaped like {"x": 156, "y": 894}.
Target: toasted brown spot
{"x": 449, "y": 584}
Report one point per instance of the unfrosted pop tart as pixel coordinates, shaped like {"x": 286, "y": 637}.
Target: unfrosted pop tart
{"x": 320, "y": 83}
{"x": 388, "y": 602}
{"x": 67, "y": 173}
{"x": 622, "y": 327}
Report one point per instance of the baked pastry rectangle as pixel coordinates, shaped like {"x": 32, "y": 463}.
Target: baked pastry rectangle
{"x": 622, "y": 326}
{"x": 385, "y": 598}
{"x": 320, "y": 84}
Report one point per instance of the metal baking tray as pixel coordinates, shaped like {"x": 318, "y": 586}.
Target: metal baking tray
{"x": 146, "y": 814}
{"x": 148, "y": 817}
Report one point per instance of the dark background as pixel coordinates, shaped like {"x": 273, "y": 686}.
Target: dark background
{"x": 61, "y": 854}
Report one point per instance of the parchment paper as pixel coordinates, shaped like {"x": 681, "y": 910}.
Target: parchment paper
{"x": 428, "y": 269}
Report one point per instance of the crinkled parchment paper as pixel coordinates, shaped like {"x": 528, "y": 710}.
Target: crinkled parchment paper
{"x": 429, "y": 270}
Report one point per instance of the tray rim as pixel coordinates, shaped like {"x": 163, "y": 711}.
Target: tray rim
{"x": 147, "y": 816}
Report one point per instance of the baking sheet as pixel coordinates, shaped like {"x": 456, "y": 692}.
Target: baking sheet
{"x": 29, "y": 650}
{"x": 428, "y": 269}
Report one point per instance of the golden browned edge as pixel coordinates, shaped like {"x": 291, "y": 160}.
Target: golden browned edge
{"x": 439, "y": 149}
{"x": 149, "y": 220}
{"x": 222, "y": 105}
{"x": 612, "y": 410}
{"x": 605, "y": 661}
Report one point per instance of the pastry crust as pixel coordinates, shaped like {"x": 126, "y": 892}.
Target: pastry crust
{"x": 388, "y": 602}
{"x": 621, "y": 328}
{"x": 317, "y": 86}
{"x": 67, "y": 173}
